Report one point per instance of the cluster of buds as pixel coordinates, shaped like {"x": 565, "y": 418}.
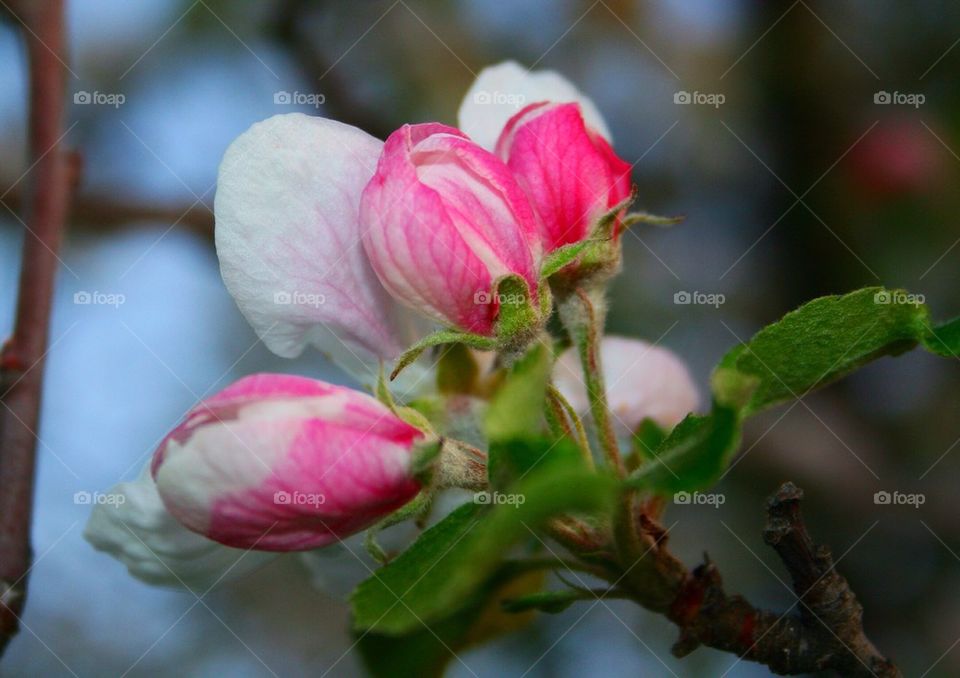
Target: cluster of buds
{"x": 371, "y": 251}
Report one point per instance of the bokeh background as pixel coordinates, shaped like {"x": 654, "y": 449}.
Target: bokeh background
{"x": 799, "y": 184}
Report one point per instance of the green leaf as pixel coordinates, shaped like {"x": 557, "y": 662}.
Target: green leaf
{"x": 508, "y": 462}
{"x": 648, "y": 436}
{"x": 814, "y": 345}
{"x": 517, "y": 407}
{"x": 417, "y": 654}
{"x": 694, "y": 455}
{"x": 425, "y": 652}
{"x": 819, "y": 342}
{"x": 944, "y": 340}
{"x": 452, "y": 559}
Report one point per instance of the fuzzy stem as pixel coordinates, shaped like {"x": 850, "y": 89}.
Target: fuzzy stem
{"x": 461, "y": 465}
{"x": 583, "y": 318}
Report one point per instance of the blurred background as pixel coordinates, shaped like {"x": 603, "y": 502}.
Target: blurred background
{"x": 813, "y": 147}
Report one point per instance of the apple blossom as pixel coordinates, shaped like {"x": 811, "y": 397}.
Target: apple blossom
{"x": 285, "y": 463}
{"x": 568, "y": 170}
{"x": 288, "y": 239}
{"x": 445, "y": 222}
{"x": 643, "y": 381}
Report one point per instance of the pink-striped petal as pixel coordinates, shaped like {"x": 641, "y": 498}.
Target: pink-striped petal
{"x": 570, "y": 173}
{"x": 285, "y": 463}
{"x": 443, "y": 220}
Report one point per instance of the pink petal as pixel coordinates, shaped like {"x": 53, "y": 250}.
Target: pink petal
{"x": 284, "y": 463}
{"x": 444, "y": 220}
{"x": 570, "y": 173}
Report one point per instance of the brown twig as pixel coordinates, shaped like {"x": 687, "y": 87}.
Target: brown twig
{"x": 106, "y": 215}
{"x": 825, "y": 633}
{"x": 21, "y": 359}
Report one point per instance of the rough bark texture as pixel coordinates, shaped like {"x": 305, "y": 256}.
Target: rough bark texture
{"x": 21, "y": 359}
{"x": 824, "y": 632}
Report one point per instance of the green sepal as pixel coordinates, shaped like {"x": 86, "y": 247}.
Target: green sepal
{"x": 407, "y": 414}
{"x": 604, "y": 227}
{"x": 416, "y": 507}
{"x": 425, "y": 455}
{"x": 382, "y": 392}
{"x": 518, "y": 320}
{"x": 438, "y": 338}
{"x": 653, "y": 219}
{"x": 562, "y": 256}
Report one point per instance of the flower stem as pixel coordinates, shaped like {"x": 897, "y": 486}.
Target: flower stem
{"x": 560, "y": 409}
{"x": 583, "y": 317}
{"x": 21, "y": 358}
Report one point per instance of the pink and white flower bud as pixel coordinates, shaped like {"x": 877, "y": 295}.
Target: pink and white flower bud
{"x": 284, "y": 463}
{"x": 643, "y": 381}
{"x": 444, "y": 220}
{"x": 568, "y": 170}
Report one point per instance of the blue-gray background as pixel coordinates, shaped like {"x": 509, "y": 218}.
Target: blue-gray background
{"x": 877, "y": 195}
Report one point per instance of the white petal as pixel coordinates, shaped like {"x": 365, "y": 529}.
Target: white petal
{"x": 501, "y": 91}
{"x": 136, "y": 529}
{"x": 288, "y": 239}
